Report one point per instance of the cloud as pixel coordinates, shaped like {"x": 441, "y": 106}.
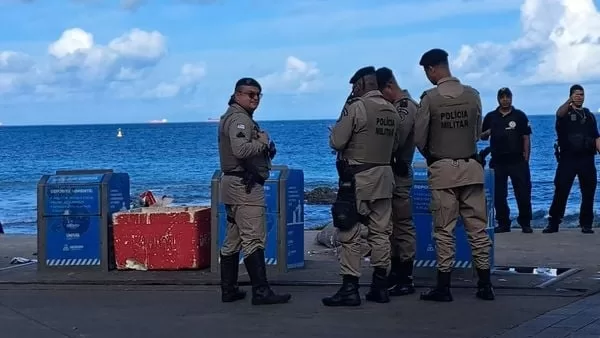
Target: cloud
{"x": 297, "y": 77}
{"x": 560, "y": 43}
{"x": 189, "y": 77}
{"x": 78, "y": 65}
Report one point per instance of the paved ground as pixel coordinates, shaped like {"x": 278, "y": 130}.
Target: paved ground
{"x": 36, "y": 310}
{"x": 580, "y": 319}
{"x": 197, "y": 312}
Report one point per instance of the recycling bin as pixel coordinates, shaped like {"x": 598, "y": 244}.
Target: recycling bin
{"x": 284, "y": 219}
{"x": 74, "y": 224}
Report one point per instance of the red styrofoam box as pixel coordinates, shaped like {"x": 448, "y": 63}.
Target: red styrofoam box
{"x": 162, "y": 238}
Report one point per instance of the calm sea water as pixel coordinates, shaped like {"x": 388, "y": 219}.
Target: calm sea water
{"x": 179, "y": 160}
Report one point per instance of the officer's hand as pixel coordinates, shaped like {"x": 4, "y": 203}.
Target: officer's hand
{"x": 486, "y": 133}
{"x": 263, "y": 137}
{"x": 272, "y": 150}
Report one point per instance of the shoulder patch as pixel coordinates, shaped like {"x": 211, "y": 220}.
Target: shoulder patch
{"x": 240, "y": 135}
{"x": 241, "y": 126}
{"x": 403, "y": 103}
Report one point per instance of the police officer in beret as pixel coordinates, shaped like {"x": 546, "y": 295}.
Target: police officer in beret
{"x": 245, "y": 154}
{"x": 509, "y": 132}
{"x": 364, "y": 137}
{"x": 447, "y": 128}
{"x": 404, "y": 242}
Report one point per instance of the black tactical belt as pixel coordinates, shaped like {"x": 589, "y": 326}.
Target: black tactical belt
{"x": 432, "y": 160}
{"x": 244, "y": 175}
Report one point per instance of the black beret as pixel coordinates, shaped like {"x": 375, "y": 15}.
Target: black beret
{"x": 247, "y": 81}
{"x": 504, "y": 91}
{"x": 434, "y": 57}
{"x": 370, "y": 70}
{"x": 384, "y": 75}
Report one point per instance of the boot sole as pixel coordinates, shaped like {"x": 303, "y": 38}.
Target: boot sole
{"x": 265, "y": 302}
{"x": 346, "y": 304}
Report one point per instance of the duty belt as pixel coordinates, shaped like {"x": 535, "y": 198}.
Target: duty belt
{"x": 244, "y": 175}
{"x": 431, "y": 160}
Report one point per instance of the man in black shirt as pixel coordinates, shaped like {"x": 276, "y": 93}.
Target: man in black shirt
{"x": 578, "y": 142}
{"x": 509, "y": 132}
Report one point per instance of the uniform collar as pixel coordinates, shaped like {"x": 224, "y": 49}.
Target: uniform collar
{"x": 234, "y": 107}
{"x": 448, "y": 79}
{"x": 512, "y": 109}
{"x": 373, "y": 93}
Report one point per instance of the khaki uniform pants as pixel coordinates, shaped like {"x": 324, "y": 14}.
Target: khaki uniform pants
{"x": 468, "y": 202}
{"x": 378, "y": 214}
{"x": 404, "y": 242}
{"x": 245, "y": 229}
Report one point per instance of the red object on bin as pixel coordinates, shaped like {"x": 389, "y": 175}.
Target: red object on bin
{"x": 162, "y": 238}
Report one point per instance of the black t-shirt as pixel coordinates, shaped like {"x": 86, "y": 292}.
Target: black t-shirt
{"x": 507, "y": 131}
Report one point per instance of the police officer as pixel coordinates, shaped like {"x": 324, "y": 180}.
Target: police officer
{"x": 578, "y": 141}
{"x": 403, "y": 240}
{"x": 245, "y": 155}
{"x": 447, "y": 128}
{"x": 509, "y": 132}
{"x": 364, "y": 137}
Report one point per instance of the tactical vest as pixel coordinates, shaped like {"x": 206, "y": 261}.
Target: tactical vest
{"x": 452, "y": 125}
{"x": 575, "y": 133}
{"x": 374, "y": 143}
{"x": 227, "y": 160}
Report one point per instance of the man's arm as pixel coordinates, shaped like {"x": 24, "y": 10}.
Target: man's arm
{"x": 485, "y": 135}
{"x": 341, "y": 132}
{"x": 240, "y": 136}
{"x": 564, "y": 108}
{"x": 478, "y": 129}
{"x": 407, "y": 120}
{"x": 422, "y": 125}
{"x": 526, "y": 132}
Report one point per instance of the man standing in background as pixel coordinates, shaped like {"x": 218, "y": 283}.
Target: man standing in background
{"x": 403, "y": 240}
{"x": 245, "y": 155}
{"x": 447, "y": 128}
{"x": 509, "y": 132}
{"x": 364, "y": 136}
{"x": 578, "y": 142}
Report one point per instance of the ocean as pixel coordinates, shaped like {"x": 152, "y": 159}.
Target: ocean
{"x": 178, "y": 159}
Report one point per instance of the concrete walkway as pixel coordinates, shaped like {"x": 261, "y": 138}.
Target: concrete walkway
{"x": 580, "y": 319}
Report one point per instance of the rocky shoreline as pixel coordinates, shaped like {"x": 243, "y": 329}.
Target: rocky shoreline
{"x": 320, "y": 195}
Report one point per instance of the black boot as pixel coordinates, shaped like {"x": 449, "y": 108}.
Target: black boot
{"x": 404, "y": 284}
{"x": 229, "y": 278}
{"x": 587, "y": 229}
{"x": 261, "y": 292}
{"x": 379, "y": 288}
{"x": 395, "y": 271}
{"x": 441, "y": 293}
{"x": 551, "y": 228}
{"x": 485, "y": 290}
{"x": 347, "y": 295}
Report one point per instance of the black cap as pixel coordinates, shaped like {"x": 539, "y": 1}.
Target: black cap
{"x": 248, "y": 81}
{"x": 370, "y": 70}
{"x": 384, "y": 75}
{"x": 434, "y": 57}
{"x": 504, "y": 91}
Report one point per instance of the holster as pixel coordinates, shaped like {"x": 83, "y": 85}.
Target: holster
{"x": 399, "y": 167}
{"x": 344, "y": 210}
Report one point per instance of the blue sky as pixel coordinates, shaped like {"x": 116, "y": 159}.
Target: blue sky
{"x": 110, "y": 61}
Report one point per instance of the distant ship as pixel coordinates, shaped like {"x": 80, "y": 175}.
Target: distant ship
{"x": 119, "y": 133}
{"x": 158, "y": 121}
{"x": 213, "y": 119}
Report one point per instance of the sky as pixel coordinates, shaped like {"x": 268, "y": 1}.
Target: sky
{"x": 135, "y": 61}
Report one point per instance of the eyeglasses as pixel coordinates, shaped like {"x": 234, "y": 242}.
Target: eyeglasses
{"x": 253, "y": 95}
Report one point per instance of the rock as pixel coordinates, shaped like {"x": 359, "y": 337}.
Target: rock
{"x": 320, "y": 195}
{"x": 328, "y": 237}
